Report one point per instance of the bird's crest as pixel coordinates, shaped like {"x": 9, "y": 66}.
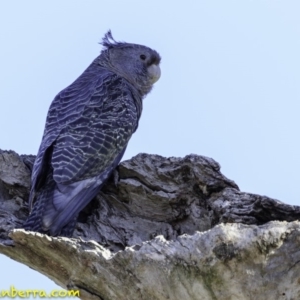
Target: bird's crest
{"x": 109, "y": 42}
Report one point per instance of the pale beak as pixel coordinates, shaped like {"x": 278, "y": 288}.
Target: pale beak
{"x": 154, "y": 71}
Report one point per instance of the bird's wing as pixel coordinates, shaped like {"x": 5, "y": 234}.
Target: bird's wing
{"x": 90, "y": 143}
{"x": 66, "y": 107}
{"x": 88, "y": 146}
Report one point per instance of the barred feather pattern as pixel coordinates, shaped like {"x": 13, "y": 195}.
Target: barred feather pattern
{"x": 87, "y": 130}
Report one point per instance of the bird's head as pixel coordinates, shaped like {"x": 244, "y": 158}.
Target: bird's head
{"x": 138, "y": 64}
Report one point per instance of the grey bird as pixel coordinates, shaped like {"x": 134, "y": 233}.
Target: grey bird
{"x": 87, "y": 130}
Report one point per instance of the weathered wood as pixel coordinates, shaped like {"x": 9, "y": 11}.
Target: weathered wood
{"x": 152, "y": 234}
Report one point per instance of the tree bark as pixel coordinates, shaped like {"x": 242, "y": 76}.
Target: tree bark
{"x": 161, "y": 228}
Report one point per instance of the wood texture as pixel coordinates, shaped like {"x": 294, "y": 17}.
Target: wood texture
{"x": 161, "y": 228}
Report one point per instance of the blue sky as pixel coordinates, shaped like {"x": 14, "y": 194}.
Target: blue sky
{"x": 229, "y": 87}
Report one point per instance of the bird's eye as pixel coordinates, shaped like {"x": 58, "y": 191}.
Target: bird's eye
{"x": 143, "y": 57}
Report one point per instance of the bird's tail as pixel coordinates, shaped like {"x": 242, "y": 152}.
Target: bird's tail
{"x": 35, "y": 220}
